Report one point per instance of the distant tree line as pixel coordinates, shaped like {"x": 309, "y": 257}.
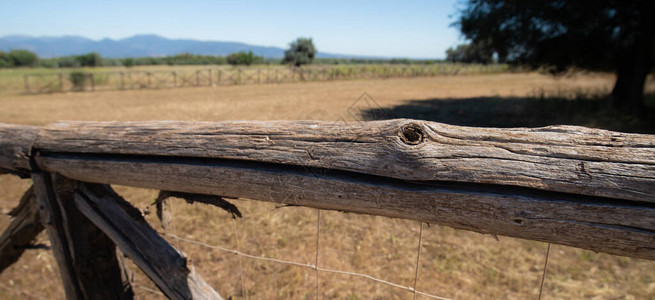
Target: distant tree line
{"x": 244, "y": 58}
{"x": 18, "y": 58}
{"x": 300, "y": 52}
{"x": 94, "y": 60}
{"x": 24, "y": 58}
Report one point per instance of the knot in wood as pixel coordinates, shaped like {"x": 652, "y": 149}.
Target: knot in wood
{"x": 412, "y": 134}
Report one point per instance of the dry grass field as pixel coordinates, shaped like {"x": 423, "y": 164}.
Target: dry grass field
{"x": 14, "y": 81}
{"x": 455, "y": 264}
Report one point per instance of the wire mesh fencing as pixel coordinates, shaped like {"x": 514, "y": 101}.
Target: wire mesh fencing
{"x": 271, "y": 253}
{"x": 330, "y": 270}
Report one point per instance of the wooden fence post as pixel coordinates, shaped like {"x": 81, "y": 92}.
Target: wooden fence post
{"x": 61, "y": 82}
{"x": 123, "y": 223}
{"x": 93, "y": 82}
{"x": 23, "y": 229}
{"x": 85, "y": 255}
{"x": 209, "y": 76}
{"x": 26, "y": 81}
{"x": 122, "y": 80}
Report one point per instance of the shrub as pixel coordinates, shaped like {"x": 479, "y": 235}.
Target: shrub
{"x": 68, "y": 62}
{"x": 5, "y": 60}
{"x": 128, "y": 62}
{"x": 48, "y": 63}
{"x": 110, "y": 62}
{"x": 91, "y": 59}
{"x": 220, "y": 60}
{"x": 243, "y": 58}
{"x": 22, "y": 58}
{"x": 78, "y": 80}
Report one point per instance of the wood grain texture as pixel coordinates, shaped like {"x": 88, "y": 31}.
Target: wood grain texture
{"x": 22, "y": 230}
{"x": 163, "y": 264}
{"x": 86, "y": 257}
{"x": 576, "y": 186}
{"x": 566, "y": 159}
{"x": 600, "y": 224}
{"x": 15, "y": 142}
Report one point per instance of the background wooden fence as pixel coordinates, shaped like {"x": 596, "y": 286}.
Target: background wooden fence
{"x": 138, "y": 79}
{"x": 576, "y": 186}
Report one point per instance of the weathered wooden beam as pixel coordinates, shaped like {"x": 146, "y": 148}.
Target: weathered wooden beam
{"x": 22, "y": 230}
{"x": 124, "y": 224}
{"x": 601, "y": 224}
{"x": 566, "y": 159}
{"x": 587, "y": 188}
{"x": 85, "y": 255}
{"x": 15, "y": 142}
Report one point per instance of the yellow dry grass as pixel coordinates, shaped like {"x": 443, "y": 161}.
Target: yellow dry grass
{"x": 454, "y": 263}
{"x": 14, "y": 81}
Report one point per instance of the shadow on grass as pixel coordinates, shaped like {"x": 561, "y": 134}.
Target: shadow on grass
{"x": 522, "y": 112}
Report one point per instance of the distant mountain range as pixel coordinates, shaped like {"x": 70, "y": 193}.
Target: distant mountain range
{"x": 138, "y": 46}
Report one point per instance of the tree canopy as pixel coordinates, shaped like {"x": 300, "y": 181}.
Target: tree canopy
{"x": 470, "y": 53}
{"x": 608, "y": 35}
{"x": 18, "y": 58}
{"x": 300, "y": 52}
{"x": 243, "y": 58}
{"x": 91, "y": 59}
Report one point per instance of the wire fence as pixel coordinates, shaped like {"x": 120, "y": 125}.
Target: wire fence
{"x": 314, "y": 217}
{"x": 177, "y": 78}
{"x": 318, "y": 269}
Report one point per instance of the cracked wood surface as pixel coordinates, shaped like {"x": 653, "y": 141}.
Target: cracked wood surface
{"x": 15, "y": 143}
{"x": 576, "y": 186}
{"x": 167, "y": 267}
{"x": 600, "y": 224}
{"x": 566, "y": 159}
{"x": 86, "y": 257}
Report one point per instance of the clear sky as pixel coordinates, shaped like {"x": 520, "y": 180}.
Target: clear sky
{"x": 414, "y": 29}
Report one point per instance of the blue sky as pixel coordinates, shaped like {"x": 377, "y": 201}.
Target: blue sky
{"x": 414, "y": 29}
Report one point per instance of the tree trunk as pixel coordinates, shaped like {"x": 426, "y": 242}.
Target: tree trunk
{"x": 635, "y": 62}
{"x": 628, "y": 92}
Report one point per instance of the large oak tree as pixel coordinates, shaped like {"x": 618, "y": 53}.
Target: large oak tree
{"x": 607, "y": 35}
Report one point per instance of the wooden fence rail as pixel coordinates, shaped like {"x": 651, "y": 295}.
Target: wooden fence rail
{"x": 576, "y": 186}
